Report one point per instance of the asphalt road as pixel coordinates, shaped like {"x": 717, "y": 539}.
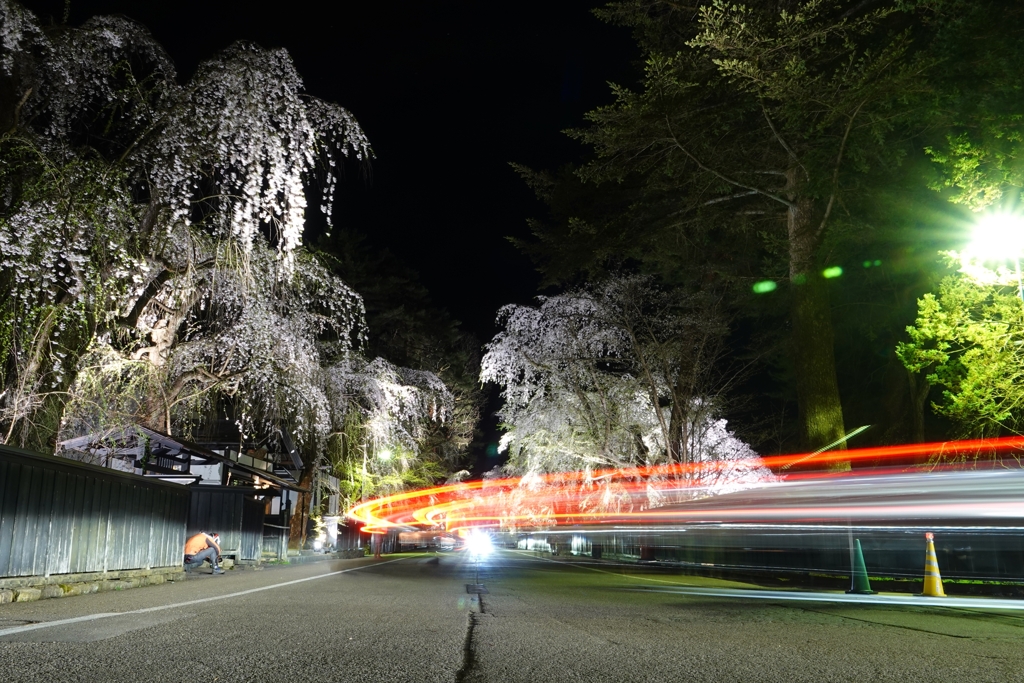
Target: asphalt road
{"x": 410, "y": 618}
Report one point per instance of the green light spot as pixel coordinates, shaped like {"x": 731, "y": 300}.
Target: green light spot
{"x": 878, "y": 263}
{"x": 867, "y": 264}
{"x": 834, "y": 271}
{"x": 764, "y": 286}
{"x": 800, "y": 279}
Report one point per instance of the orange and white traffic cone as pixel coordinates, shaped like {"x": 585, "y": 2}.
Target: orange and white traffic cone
{"x": 932, "y": 578}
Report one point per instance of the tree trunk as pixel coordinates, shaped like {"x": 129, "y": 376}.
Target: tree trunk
{"x": 678, "y": 441}
{"x": 38, "y": 430}
{"x": 817, "y": 388}
{"x": 300, "y": 515}
{"x": 919, "y": 388}
{"x": 674, "y": 442}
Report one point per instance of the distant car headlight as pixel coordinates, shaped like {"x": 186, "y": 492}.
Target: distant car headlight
{"x": 479, "y": 544}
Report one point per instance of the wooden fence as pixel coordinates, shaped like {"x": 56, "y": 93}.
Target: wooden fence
{"x": 59, "y": 516}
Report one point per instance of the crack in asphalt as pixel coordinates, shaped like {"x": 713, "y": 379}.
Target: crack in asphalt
{"x": 468, "y": 653}
{"x": 468, "y": 646}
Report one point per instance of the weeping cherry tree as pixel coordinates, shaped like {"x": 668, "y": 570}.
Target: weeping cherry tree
{"x": 151, "y": 255}
{"x": 616, "y": 374}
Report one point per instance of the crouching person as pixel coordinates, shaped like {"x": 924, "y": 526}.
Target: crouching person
{"x": 200, "y": 548}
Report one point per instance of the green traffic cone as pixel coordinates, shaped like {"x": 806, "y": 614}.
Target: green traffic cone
{"x": 859, "y": 578}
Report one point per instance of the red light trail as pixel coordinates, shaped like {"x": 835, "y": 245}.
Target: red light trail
{"x": 674, "y": 493}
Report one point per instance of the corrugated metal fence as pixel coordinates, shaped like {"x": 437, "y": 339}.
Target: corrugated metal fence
{"x": 59, "y": 516}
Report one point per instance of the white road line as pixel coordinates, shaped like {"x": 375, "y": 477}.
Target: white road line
{"x": 105, "y": 615}
{"x": 912, "y": 600}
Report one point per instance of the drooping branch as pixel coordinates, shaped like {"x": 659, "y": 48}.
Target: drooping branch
{"x": 738, "y": 195}
{"x": 782, "y": 141}
{"x": 722, "y": 176}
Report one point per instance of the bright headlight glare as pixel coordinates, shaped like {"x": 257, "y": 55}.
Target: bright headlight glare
{"x": 479, "y": 544}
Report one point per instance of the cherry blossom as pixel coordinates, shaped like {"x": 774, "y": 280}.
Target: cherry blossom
{"x": 151, "y": 242}
{"x": 592, "y": 379}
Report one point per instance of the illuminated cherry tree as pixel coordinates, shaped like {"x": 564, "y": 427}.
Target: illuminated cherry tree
{"x": 616, "y": 374}
{"x": 383, "y": 419}
{"x": 151, "y": 245}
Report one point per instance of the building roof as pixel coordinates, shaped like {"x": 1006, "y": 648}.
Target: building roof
{"x": 171, "y": 450}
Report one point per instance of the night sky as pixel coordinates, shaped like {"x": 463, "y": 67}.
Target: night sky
{"x": 448, "y": 91}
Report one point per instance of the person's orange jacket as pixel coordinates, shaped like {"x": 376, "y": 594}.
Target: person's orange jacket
{"x": 199, "y": 542}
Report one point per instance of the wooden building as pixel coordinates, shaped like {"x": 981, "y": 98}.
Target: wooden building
{"x": 245, "y": 497}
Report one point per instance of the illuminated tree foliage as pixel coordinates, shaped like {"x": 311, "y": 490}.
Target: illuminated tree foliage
{"x": 152, "y": 261}
{"x": 616, "y": 374}
{"x": 161, "y": 223}
{"x": 381, "y": 441}
{"x": 409, "y": 330}
{"x": 968, "y": 341}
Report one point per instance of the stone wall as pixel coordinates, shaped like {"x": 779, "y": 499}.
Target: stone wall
{"x": 29, "y": 588}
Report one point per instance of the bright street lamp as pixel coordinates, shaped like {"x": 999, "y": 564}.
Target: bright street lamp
{"x": 999, "y": 237}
